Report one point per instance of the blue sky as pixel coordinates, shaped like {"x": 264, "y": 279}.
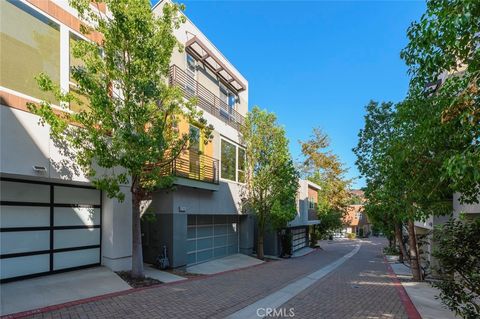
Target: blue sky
{"x": 314, "y": 63}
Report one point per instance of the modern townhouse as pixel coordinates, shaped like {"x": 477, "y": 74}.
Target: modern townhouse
{"x": 201, "y": 219}
{"x": 52, "y": 219}
{"x": 299, "y": 227}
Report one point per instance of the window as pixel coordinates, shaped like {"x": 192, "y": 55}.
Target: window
{"x": 228, "y": 160}
{"x": 311, "y": 203}
{"x": 241, "y": 165}
{"x": 30, "y": 45}
{"x": 192, "y": 72}
{"x": 191, "y": 66}
{"x": 232, "y": 162}
{"x": 229, "y": 99}
{"x": 358, "y": 215}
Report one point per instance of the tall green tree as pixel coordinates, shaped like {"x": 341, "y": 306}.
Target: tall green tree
{"x": 324, "y": 168}
{"x": 271, "y": 178}
{"x": 443, "y": 49}
{"x": 128, "y": 125}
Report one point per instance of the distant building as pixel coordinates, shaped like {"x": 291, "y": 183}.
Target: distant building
{"x": 355, "y": 220}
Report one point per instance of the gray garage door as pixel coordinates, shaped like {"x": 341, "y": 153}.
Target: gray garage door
{"x": 299, "y": 238}
{"x": 211, "y": 236}
{"x": 47, "y": 228}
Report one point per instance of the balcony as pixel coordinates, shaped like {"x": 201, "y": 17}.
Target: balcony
{"x": 196, "y": 167}
{"x": 206, "y": 99}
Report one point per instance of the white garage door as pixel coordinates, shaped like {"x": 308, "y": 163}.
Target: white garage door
{"x": 211, "y": 236}
{"x": 47, "y": 228}
{"x": 299, "y": 238}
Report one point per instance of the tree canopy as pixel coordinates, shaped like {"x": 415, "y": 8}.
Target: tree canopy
{"x": 126, "y": 131}
{"x": 271, "y": 178}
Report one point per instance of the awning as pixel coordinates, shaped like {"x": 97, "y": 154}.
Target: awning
{"x": 197, "y": 48}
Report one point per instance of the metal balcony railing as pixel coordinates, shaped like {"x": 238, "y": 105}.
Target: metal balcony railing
{"x": 192, "y": 165}
{"x": 206, "y": 99}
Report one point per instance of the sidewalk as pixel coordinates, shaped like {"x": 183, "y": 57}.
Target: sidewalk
{"x": 422, "y": 295}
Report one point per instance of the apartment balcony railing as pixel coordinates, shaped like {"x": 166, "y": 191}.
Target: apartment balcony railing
{"x": 192, "y": 165}
{"x": 206, "y": 99}
{"x": 312, "y": 214}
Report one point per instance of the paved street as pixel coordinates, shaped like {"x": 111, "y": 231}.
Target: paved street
{"x": 358, "y": 288}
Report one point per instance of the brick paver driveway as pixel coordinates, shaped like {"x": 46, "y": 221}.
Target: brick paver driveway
{"x": 359, "y": 288}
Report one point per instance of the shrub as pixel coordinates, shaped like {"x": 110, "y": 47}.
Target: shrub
{"x": 458, "y": 254}
{"x": 391, "y": 251}
{"x": 286, "y": 241}
{"x": 351, "y": 235}
{"x": 314, "y": 237}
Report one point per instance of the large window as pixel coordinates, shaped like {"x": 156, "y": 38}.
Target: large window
{"x": 241, "y": 165}
{"x": 228, "y": 161}
{"x": 30, "y": 44}
{"x": 232, "y": 162}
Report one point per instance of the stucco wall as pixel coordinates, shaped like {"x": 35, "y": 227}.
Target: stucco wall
{"x": 24, "y": 143}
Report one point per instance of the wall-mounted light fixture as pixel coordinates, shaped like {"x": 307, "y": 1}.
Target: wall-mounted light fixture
{"x": 39, "y": 169}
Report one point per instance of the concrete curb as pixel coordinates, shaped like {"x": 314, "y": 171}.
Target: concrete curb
{"x": 410, "y": 308}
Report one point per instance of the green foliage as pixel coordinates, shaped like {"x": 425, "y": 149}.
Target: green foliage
{"x": 391, "y": 251}
{"x": 351, "y": 235}
{"x": 444, "y": 45}
{"x": 128, "y": 131}
{"x": 314, "y": 236}
{"x": 324, "y": 168}
{"x": 271, "y": 178}
{"x": 457, "y": 252}
{"x": 330, "y": 221}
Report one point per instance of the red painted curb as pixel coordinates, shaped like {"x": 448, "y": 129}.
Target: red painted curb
{"x": 119, "y": 293}
{"x": 410, "y": 308}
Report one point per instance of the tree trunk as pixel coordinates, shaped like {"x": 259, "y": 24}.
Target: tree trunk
{"x": 414, "y": 262}
{"x": 260, "y": 252}
{"x": 399, "y": 236}
{"x": 137, "y": 254}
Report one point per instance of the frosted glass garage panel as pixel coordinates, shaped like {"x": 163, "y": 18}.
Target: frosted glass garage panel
{"x": 75, "y": 195}
{"x": 221, "y": 230}
{"x": 205, "y": 243}
{"x": 204, "y": 231}
{"x": 24, "y": 192}
{"x": 191, "y": 232}
{"x": 220, "y": 241}
{"x": 220, "y": 252}
{"x": 191, "y": 258}
{"x": 24, "y": 216}
{"x": 76, "y": 216}
{"x": 76, "y": 258}
{"x": 21, "y": 266}
{"x": 191, "y": 245}
{"x": 204, "y": 255}
{"x": 67, "y": 238}
{"x": 24, "y": 241}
